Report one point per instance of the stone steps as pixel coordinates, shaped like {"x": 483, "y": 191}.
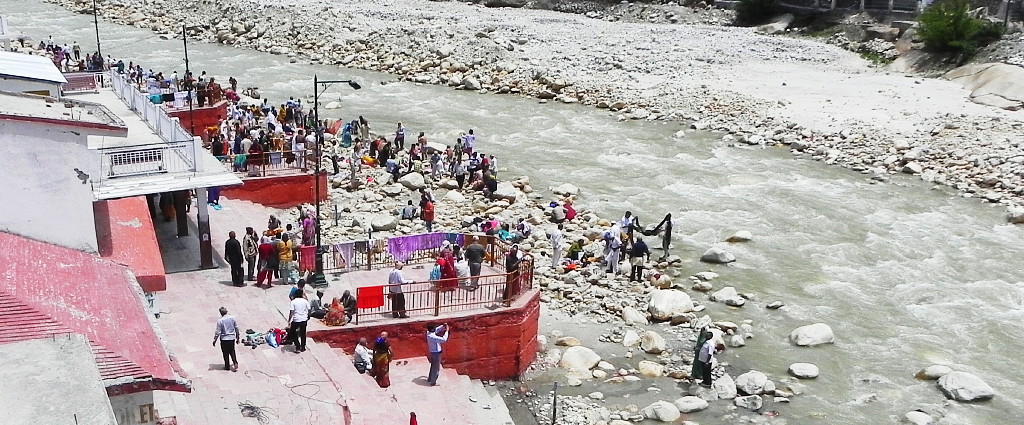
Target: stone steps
{"x": 448, "y": 403}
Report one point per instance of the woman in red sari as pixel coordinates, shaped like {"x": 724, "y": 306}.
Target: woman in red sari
{"x": 449, "y": 275}
{"x": 382, "y": 361}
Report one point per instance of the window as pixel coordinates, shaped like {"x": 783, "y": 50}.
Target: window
{"x": 146, "y": 413}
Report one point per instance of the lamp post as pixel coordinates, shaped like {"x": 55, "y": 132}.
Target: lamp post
{"x": 96, "y": 24}
{"x": 319, "y": 280}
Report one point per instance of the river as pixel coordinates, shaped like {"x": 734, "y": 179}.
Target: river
{"x": 907, "y": 275}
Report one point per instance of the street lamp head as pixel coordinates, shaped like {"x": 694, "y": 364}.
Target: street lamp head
{"x": 354, "y": 85}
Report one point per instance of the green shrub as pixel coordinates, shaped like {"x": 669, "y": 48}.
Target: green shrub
{"x": 754, "y": 12}
{"x": 946, "y": 26}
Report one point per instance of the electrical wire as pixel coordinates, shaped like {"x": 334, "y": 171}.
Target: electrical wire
{"x": 263, "y": 415}
{"x": 309, "y": 398}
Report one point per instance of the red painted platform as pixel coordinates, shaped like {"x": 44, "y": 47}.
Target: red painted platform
{"x": 484, "y": 345}
{"x": 198, "y": 119}
{"x": 55, "y": 290}
{"x": 278, "y": 191}
{"x": 125, "y": 235}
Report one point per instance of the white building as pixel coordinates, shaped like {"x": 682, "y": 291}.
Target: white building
{"x": 21, "y": 73}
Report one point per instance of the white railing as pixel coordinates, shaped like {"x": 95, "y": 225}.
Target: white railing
{"x": 180, "y": 153}
{"x": 164, "y": 125}
{"x": 148, "y": 159}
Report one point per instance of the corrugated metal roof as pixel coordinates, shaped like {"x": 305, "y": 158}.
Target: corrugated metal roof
{"x": 50, "y": 290}
{"x": 30, "y": 67}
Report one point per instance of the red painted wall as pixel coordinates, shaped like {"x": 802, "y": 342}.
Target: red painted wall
{"x": 208, "y": 116}
{"x": 494, "y": 345}
{"x": 125, "y": 235}
{"x": 278, "y": 192}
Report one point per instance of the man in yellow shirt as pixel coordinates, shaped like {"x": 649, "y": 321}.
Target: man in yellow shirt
{"x": 286, "y": 259}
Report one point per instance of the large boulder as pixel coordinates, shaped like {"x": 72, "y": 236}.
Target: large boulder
{"x": 811, "y": 335}
{"x": 579, "y": 358}
{"x": 933, "y": 372}
{"x": 992, "y": 84}
{"x": 717, "y": 256}
{"x": 1015, "y": 214}
{"x": 752, "y": 383}
{"x": 413, "y": 181}
{"x": 750, "y": 402}
{"x": 507, "y": 192}
{"x": 471, "y": 83}
{"x": 653, "y": 343}
{"x": 729, "y": 296}
{"x": 724, "y": 387}
{"x": 661, "y": 411}
{"x": 454, "y": 197}
{"x": 740, "y": 236}
{"x": 566, "y": 189}
{"x": 667, "y": 303}
{"x": 393, "y": 190}
{"x": 633, "y": 316}
{"x": 803, "y": 370}
{"x": 963, "y": 386}
{"x": 651, "y": 369}
{"x": 690, "y": 404}
{"x": 382, "y": 222}
{"x": 630, "y": 338}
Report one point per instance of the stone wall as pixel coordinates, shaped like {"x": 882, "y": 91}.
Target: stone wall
{"x": 492, "y": 345}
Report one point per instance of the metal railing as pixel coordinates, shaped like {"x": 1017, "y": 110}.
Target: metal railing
{"x": 432, "y": 298}
{"x": 273, "y": 161}
{"x": 146, "y": 159}
{"x": 376, "y": 255}
{"x": 83, "y": 81}
{"x": 168, "y": 127}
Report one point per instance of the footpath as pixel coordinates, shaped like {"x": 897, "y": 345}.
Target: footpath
{"x": 285, "y": 387}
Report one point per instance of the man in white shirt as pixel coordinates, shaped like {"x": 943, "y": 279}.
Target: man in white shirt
{"x": 227, "y": 333}
{"x": 363, "y": 356}
{"x": 436, "y": 335}
{"x": 707, "y": 356}
{"x": 556, "y": 246}
{"x": 395, "y": 282}
{"x": 297, "y": 318}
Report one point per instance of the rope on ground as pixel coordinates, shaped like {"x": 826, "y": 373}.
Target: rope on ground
{"x": 263, "y": 415}
{"x": 308, "y": 398}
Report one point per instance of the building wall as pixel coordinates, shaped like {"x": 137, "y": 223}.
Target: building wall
{"x": 129, "y": 408}
{"x": 494, "y": 345}
{"x": 52, "y": 204}
{"x": 25, "y": 86}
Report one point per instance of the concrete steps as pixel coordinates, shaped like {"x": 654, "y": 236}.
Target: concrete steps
{"x": 456, "y": 400}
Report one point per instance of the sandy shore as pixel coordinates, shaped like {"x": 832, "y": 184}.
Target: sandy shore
{"x": 817, "y": 98}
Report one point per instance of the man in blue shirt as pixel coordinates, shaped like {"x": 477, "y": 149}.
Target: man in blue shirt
{"x": 436, "y": 335}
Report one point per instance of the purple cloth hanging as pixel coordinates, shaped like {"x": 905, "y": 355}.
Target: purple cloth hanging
{"x": 343, "y": 255}
{"x": 402, "y": 247}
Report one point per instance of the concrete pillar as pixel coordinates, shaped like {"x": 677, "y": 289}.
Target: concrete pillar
{"x": 181, "y": 202}
{"x": 203, "y": 223}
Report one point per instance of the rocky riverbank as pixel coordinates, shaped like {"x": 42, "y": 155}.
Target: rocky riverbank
{"x": 814, "y": 99}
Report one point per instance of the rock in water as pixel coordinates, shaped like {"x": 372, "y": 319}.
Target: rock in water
{"x": 579, "y": 358}
{"x": 751, "y": 402}
{"x": 413, "y": 181}
{"x": 1015, "y": 214}
{"x": 752, "y": 383}
{"x": 690, "y": 404}
{"x": 918, "y": 417}
{"x": 811, "y": 335}
{"x": 566, "y": 189}
{"x": 933, "y": 372}
{"x": 725, "y": 387}
{"x": 717, "y": 256}
{"x": 740, "y": 236}
{"x": 662, "y": 411}
{"x": 631, "y": 338}
{"x": 803, "y": 370}
{"x": 963, "y": 386}
{"x": 471, "y": 83}
{"x": 666, "y": 303}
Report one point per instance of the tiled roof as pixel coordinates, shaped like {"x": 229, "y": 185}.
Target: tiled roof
{"x": 20, "y": 323}
{"x": 48, "y": 290}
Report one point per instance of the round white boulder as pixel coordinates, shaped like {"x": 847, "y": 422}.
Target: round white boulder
{"x": 667, "y": 303}
{"x": 752, "y": 383}
{"x": 810, "y": 335}
{"x": 803, "y": 370}
{"x": 690, "y": 404}
{"x": 717, "y": 256}
{"x": 579, "y": 358}
{"x": 662, "y": 411}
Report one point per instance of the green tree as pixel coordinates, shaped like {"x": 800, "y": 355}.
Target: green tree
{"x": 946, "y": 26}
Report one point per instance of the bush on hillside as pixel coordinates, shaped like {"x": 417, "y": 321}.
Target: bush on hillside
{"x": 755, "y": 12}
{"x": 947, "y": 26}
